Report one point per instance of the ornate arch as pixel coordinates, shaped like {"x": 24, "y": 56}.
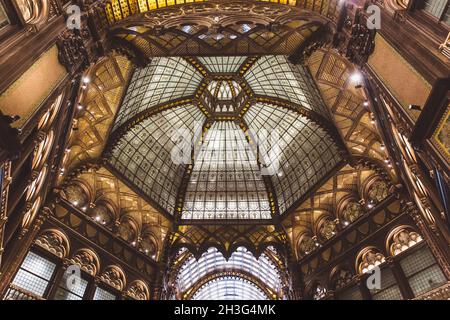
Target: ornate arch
{"x": 54, "y": 241}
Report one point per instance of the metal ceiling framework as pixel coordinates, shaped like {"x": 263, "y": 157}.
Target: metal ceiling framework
{"x": 144, "y": 104}
{"x": 209, "y": 32}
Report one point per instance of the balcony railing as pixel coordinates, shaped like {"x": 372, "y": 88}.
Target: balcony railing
{"x": 17, "y": 293}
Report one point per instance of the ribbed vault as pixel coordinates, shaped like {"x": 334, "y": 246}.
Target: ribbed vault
{"x": 190, "y": 28}
{"x": 252, "y": 161}
{"x": 195, "y": 278}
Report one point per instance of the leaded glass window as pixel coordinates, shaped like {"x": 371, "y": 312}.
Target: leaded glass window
{"x": 389, "y": 289}
{"x": 243, "y": 260}
{"x": 226, "y": 182}
{"x": 222, "y": 64}
{"x": 35, "y": 274}
{"x": 229, "y": 288}
{"x": 102, "y": 294}
{"x": 68, "y": 291}
{"x": 422, "y": 271}
{"x": 143, "y": 155}
{"x": 163, "y": 80}
{"x": 274, "y": 76}
{"x": 438, "y": 8}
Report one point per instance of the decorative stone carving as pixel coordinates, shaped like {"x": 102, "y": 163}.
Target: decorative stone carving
{"x": 53, "y": 241}
{"x": 114, "y": 277}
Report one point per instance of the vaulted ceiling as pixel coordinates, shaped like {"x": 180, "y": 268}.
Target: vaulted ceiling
{"x": 226, "y": 177}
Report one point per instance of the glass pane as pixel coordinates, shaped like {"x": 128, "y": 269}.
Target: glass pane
{"x": 222, "y": 64}
{"x": 389, "y": 289}
{"x": 417, "y": 261}
{"x": 229, "y": 288}
{"x": 242, "y": 260}
{"x": 275, "y": 76}
{"x": 34, "y": 274}
{"x": 75, "y": 292}
{"x": 307, "y": 152}
{"x": 144, "y": 154}
{"x": 163, "y": 80}
{"x": 101, "y": 294}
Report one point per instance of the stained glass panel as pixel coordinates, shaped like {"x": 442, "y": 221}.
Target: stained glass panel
{"x": 164, "y": 79}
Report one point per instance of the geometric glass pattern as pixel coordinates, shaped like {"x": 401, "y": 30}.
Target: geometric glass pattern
{"x": 144, "y": 153}
{"x": 34, "y": 274}
{"x": 229, "y": 288}
{"x": 4, "y": 21}
{"x": 222, "y": 64}
{"x": 225, "y": 179}
{"x": 308, "y": 153}
{"x": 102, "y": 294}
{"x": 241, "y": 260}
{"x": 163, "y": 80}
{"x": 75, "y": 292}
{"x": 226, "y": 182}
{"x": 275, "y": 76}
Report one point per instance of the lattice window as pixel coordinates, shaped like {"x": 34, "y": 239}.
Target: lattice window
{"x": 226, "y": 182}
{"x": 243, "y": 260}
{"x": 222, "y": 64}
{"x": 229, "y": 288}
{"x": 389, "y": 289}
{"x": 422, "y": 271}
{"x": 71, "y": 292}
{"x": 274, "y": 76}
{"x": 35, "y": 274}
{"x": 4, "y": 20}
{"x": 351, "y": 293}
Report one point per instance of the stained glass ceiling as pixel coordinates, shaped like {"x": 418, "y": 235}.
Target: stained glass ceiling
{"x": 241, "y": 262}
{"x": 229, "y": 288}
{"x": 227, "y": 174}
